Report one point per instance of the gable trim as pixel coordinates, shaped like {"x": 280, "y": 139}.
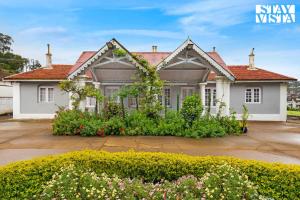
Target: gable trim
{"x": 204, "y": 55}
{"x": 99, "y": 53}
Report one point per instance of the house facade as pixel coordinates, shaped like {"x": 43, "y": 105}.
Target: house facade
{"x": 186, "y": 70}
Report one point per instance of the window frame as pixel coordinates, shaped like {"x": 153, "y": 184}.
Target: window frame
{"x": 112, "y": 88}
{"x": 181, "y": 92}
{"x": 252, "y": 95}
{"x": 46, "y": 94}
{"x": 213, "y": 101}
{"x": 88, "y": 102}
{"x": 170, "y": 97}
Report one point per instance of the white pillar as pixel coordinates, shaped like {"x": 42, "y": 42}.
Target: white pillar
{"x": 283, "y": 101}
{"x": 202, "y": 92}
{"x": 81, "y": 83}
{"x": 223, "y": 94}
{"x": 16, "y": 100}
{"x": 97, "y": 86}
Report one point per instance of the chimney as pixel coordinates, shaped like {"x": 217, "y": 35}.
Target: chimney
{"x": 214, "y": 49}
{"x": 251, "y": 60}
{"x": 48, "y": 57}
{"x": 154, "y": 48}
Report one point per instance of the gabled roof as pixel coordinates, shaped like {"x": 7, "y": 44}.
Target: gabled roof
{"x": 61, "y": 71}
{"x": 82, "y": 66}
{"x": 56, "y": 72}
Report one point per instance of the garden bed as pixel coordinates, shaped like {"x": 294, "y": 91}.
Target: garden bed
{"x": 25, "y": 179}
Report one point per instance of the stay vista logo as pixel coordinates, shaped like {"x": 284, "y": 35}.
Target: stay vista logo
{"x": 275, "y": 14}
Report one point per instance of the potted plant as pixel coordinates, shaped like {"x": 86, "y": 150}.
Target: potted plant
{"x": 244, "y": 121}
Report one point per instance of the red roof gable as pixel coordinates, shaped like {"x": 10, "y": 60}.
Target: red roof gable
{"x": 56, "y": 72}
{"x": 153, "y": 57}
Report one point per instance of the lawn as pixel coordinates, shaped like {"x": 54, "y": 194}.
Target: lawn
{"x": 293, "y": 113}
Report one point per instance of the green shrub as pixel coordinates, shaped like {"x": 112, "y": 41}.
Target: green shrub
{"x": 172, "y": 124}
{"x": 67, "y": 122}
{"x": 74, "y": 182}
{"x": 111, "y": 109}
{"x": 90, "y": 127}
{"x": 206, "y": 127}
{"x": 139, "y": 124}
{"x": 114, "y": 126}
{"x": 191, "y": 109}
{"x": 24, "y": 179}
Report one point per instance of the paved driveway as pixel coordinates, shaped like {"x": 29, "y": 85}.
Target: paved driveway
{"x": 273, "y": 142}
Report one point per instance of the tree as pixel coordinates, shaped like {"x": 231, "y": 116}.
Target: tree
{"x": 79, "y": 93}
{"x": 10, "y": 62}
{"x": 5, "y": 43}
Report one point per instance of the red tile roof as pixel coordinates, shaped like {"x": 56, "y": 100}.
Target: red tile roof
{"x": 57, "y": 72}
{"x": 153, "y": 57}
{"x": 85, "y": 55}
{"x": 241, "y": 72}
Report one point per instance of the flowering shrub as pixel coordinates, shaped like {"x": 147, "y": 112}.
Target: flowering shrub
{"x": 227, "y": 182}
{"x": 223, "y": 182}
{"x": 23, "y": 179}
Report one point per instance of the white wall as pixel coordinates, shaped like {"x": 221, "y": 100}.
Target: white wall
{"x": 6, "y": 91}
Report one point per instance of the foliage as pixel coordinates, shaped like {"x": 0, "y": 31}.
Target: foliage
{"x": 74, "y": 122}
{"x": 5, "y": 43}
{"x": 205, "y": 127}
{"x": 111, "y": 109}
{"x": 293, "y": 113}
{"x": 10, "y": 62}
{"x": 149, "y": 86}
{"x": 245, "y": 117}
{"x": 139, "y": 124}
{"x": 227, "y": 182}
{"x": 119, "y": 52}
{"x": 191, "y": 109}
{"x": 79, "y": 93}
{"x": 114, "y": 126}
{"x": 74, "y": 182}
{"x": 172, "y": 124}
{"x": 23, "y": 179}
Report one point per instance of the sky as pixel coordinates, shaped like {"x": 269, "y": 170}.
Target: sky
{"x": 73, "y": 26}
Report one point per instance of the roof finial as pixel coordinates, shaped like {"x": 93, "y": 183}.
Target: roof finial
{"x": 214, "y": 49}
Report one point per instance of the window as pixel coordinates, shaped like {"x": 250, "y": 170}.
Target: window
{"x": 131, "y": 102}
{"x": 167, "y": 97}
{"x": 186, "y": 91}
{"x": 90, "y": 102}
{"x": 252, "y": 95}
{"x": 111, "y": 92}
{"x": 46, "y": 94}
{"x": 210, "y": 96}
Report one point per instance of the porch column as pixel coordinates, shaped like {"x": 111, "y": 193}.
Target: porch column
{"x": 202, "y": 93}
{"x": 81, "y": 83}
{"x": 97, "y": 86}
{"x": 223, "y": 94}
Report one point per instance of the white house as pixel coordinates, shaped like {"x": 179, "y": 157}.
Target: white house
{"x": 187, "y": 70}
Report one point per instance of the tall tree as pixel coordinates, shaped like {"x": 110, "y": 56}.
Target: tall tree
{"x": 5, "y": 43}
{"x": 10, "y": 62}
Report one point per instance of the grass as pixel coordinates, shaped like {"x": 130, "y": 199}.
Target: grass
{"x": 293, "y": 113}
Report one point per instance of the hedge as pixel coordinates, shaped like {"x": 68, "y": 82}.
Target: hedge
{"x": 23, "y": 179}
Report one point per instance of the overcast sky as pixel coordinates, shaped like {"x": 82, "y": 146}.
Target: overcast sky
{"x": 74, "y": 26}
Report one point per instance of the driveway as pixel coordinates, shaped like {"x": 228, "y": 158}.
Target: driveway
{"x": 268, "y": 141}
